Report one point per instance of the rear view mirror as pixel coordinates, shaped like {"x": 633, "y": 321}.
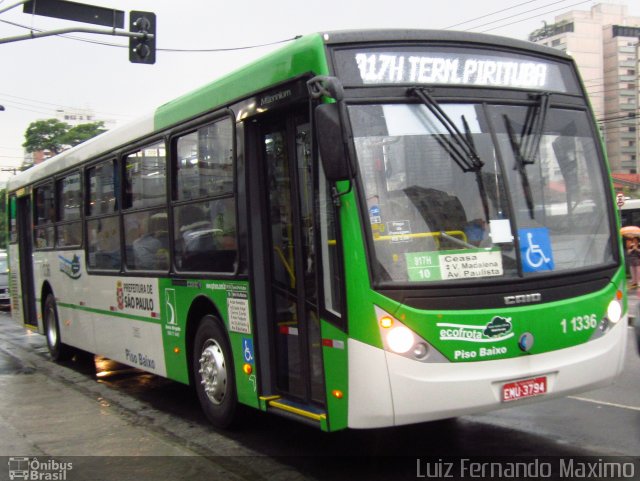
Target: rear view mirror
{"x": 330, "y": 138}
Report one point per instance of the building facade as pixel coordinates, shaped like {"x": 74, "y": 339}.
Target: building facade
{"x": 605, "y": 43}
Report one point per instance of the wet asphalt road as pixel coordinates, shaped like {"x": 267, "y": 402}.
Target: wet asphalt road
{"x": 598, "y": 423}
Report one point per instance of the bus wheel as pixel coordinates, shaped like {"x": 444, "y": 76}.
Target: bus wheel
{"x": 58, "y": 350}
{"x": 213, "y": 372}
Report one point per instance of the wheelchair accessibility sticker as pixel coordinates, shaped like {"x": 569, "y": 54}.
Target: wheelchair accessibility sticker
{"x": 535, "y": 250}
{"x": 247, "y": 349}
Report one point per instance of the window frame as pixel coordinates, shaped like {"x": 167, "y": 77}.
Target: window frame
{"x": 49, "y": 221}
{"x": 176, "y": 203}
{"x": 129, "y": 210}
{"x": 88, "y": 217}
{"x": 59, "y": 204}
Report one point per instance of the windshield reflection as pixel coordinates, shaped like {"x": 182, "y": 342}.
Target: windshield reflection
{"x": 434, "y": 219}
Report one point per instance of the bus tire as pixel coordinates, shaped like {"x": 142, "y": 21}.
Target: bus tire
{"x": 57, "y": 349}
{"x": 213, "y": 373}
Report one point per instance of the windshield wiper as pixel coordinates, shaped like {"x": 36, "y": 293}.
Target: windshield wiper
{"x": 460, "y": 147}
{"x": 533, "y": 127}
{"x": 526, "y": 150}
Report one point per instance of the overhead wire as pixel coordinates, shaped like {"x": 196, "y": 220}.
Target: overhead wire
{"x": 535, "y": 16}
{"x": 520, "y": 13}
{"x": 159, "y": 49}
{"x": 489, "y": 14}
{"x": 54, "y": 106}
{"x": 512, "y": 16}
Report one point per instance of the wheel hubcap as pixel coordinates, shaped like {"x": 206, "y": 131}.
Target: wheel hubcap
{"x": 213, "y": 371}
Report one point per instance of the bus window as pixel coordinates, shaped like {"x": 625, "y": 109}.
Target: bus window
{"x": 69, "y": 229}
{"x": 205, "y": 236}
{"x": 102, "y": 194}
{"x": 630, "y": 212}
{"x": 147, "y": 240}
{"x": 145, "y": 177}
{"x": 205, "y": 162}
{"x": 44, "y": 216}
{"x": 103, "y": 231}
{"x": 205, "y": 230}
{"x": 146, "y": 232}
{"x": 332, "y": 278}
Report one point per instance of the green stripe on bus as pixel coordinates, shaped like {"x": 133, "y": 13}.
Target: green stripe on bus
{"x": 109, "y": 313}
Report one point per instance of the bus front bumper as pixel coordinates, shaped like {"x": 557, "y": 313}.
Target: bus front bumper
{"x": 388, "y": 390}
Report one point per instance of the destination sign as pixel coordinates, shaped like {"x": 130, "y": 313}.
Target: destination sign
{"x": 449, "y": 67}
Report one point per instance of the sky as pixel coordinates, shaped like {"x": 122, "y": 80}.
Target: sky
{"x": 40, "y": 76}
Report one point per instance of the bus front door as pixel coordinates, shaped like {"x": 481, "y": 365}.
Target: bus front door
{"x": 289, "y": 254}
{"x": 25, "y": 241}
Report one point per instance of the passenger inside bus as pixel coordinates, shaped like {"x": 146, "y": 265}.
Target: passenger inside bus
{"x": 150, "y": 249}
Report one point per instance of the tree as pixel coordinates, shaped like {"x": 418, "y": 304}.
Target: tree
{"x": 56, "y": 136}
{"x": 46, "y": 135}
{"x": 78, "y": 134}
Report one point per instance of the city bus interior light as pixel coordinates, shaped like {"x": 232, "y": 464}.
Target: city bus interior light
{"x": 386, "y": 322}
{"x": 614, "y": 311}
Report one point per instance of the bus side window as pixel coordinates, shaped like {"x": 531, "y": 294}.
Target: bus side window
{"x": 44, "y": 216}
{"x": 103, "y": 224}
{"x": 205, "y": 220}
{"x": 69, "y": 202}
{"x": 146, "y": 230}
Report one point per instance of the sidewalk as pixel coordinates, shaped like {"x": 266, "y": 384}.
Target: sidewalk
{"x": 56, "y": 414}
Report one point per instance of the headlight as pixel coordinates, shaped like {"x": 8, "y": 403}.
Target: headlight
{"x": 399, "y": 339}
{"x": 614, "y": 311}
{"x": 612, "y": 317}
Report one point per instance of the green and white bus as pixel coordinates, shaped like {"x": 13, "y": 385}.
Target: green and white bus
{"x": 361, "y": 229}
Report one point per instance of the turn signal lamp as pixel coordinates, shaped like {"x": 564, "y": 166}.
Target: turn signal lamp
{"x": 247, "y": 368}
{"x": 386, "y": 322}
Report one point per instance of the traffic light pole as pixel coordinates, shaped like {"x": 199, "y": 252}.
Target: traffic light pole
{"x": 142, "y": 38}
{"x": 13, "y": 5}
{"x": 61, "y": 31}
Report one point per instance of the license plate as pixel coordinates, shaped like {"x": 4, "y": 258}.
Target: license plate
{"x": 513, "y": 391}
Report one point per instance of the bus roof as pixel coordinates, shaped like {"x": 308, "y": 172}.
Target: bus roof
{"x": 631, "y": 204}
{"x": 303, "y": 55}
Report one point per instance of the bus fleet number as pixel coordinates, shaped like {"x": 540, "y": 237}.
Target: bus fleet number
{"x": 579, "y": 323}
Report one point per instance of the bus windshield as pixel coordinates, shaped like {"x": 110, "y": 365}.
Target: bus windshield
{"x": 531, "y": 201}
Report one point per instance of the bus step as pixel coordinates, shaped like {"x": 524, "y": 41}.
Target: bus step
{"x": 300, "y": 411}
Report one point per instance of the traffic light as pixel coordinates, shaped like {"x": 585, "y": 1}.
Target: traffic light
{"x": 142, "y": 49}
